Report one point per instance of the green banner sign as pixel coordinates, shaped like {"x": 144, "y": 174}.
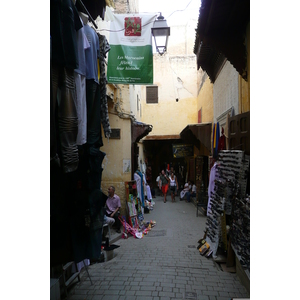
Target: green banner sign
{"x": 130, "y": 59}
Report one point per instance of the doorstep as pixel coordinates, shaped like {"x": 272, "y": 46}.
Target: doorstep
{"x": 114, "y": 236}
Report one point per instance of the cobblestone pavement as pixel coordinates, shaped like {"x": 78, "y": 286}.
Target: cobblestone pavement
{"x": 164, "y": 264}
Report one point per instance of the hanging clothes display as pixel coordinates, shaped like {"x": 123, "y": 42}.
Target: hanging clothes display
{"x": 212, "y": 177}
{"x": 64, "y": 23}
{"x": 147, "y": 188}
{"x": 142, "y": 188}
{"x": 227, "y": 191}
{"x": 138, "y": 180}
{"x": 78, "y": 107}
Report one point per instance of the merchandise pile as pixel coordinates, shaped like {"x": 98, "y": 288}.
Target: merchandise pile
{"x": 204, "y": 248}
{"x": 240, "y": 231}
{"x": 138, "y": 230}
{"x": 229, "y": 203}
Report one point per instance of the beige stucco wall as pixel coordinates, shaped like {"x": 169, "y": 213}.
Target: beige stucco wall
{"x": 176, "y": 78}
{"x": 117, "y": 150}
{"x": 135, "y": 101}
{"x": 182, "y": 38}
{"x": 175, "y": 74}
{"x": 205, "y": 97}
{"x": 170, "y": 119}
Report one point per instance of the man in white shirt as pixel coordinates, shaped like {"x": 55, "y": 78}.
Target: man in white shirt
{"x": 191, "y": 193}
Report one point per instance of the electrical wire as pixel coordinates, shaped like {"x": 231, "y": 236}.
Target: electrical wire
{"x": 179, "y": 10}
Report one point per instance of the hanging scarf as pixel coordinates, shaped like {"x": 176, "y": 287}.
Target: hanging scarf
{"x": 213, "y": 139}
{"x": 142, "y": 188}
{"x": 216, "y": 135}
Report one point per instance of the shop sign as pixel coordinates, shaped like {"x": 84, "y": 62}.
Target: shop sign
{"x": 182, "y": 150}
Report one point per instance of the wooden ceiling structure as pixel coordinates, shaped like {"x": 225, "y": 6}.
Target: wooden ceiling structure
{"x": 221, "y": 36}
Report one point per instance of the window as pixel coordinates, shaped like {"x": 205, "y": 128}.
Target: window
{"x": 152, "y": 94}
{"x": 115, "y": 133}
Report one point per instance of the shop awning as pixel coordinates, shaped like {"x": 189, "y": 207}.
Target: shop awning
{"x": 139, "y": 130}
{"x": 220, "y": 35}
{"x": 198, "y": 134}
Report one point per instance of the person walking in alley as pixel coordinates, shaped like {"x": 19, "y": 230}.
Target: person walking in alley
{"x": 173, "y": 185}
{"x": 158, "y": 182}
{"x": 164, "y": 179}
{"x": 113, "y": 205}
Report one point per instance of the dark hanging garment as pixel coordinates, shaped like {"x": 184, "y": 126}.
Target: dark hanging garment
{"x": 95, "y": 167}
{"x": 63, "y": 211}
{"x": 79, "y": 224}
{"x": 93, "y": 105}
{"x": 96, "y": 204}
{"x": 53, "y": 145}
{"x": 86, "y": 213}
{"x": 79, "y": 210}
{"x": 60, "y": 238}
{"x": 64, "y": 22}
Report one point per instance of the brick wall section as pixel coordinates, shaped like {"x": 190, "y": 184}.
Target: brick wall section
{"x": 125, "y": 6}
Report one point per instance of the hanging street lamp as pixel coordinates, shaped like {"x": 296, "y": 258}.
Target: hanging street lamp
{"x": 161, "y": 33}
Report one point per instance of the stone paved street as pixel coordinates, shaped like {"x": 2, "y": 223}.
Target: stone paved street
{"x": 165, "y": 264}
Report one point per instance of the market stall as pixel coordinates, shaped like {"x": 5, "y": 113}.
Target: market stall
{"x": 228, "y": 211}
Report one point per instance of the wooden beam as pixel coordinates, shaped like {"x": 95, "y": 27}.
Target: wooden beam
{"x": 162, "y": 137}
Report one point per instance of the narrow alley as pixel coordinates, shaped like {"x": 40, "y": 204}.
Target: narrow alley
{"x": 164, "y": 264}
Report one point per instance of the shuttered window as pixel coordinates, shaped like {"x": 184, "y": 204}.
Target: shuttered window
{"x": 152, "y": 94}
